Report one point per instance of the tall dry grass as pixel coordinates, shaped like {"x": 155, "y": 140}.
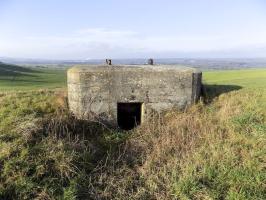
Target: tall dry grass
{"x": 196, "y": 154}
{"x": 209, "y": 151}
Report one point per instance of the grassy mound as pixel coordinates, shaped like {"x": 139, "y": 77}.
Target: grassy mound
{"x": 13, "y": 77}
{"x": 213, "y": 151}
{"x": 13, "y": 70}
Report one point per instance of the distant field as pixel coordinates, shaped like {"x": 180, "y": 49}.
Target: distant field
{"x": 245, "y": 78}
{"x": 14, "y": 77}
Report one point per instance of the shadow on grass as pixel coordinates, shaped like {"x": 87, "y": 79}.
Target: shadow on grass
{"x": 15, "y": 80}
{"x": 12, "y": 71}
{"x": 211, "y": 91}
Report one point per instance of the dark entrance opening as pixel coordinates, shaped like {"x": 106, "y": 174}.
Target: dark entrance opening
{"x": 128, "y": 115}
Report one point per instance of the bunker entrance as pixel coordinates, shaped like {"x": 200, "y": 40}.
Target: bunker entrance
{"x": 128, "y": 115}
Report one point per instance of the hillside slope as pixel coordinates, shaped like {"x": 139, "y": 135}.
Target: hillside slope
{"x": 13, "y": 77}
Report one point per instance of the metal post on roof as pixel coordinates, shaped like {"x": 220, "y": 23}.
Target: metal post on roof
{"x": 150, "y": 61}
{"x": 108, "y": 61}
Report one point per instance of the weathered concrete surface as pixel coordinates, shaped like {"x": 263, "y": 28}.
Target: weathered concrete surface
{"x": 96, "y": 89}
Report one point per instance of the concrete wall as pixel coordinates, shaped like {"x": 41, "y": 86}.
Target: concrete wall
{"x": 96, "y": 90}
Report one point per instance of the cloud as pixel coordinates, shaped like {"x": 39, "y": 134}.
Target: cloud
{"x": 103, "y": 43}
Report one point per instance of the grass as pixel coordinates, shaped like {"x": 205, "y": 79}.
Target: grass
{"x": 250, "y": 78}
{"x": 210, "y": 151}
{"x": 14, "y": 78}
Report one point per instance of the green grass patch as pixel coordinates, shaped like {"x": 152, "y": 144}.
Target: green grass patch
{"x": 251, "y": 78}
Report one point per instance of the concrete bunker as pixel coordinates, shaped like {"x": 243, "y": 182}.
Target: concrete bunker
{"x": 126, "y": 95}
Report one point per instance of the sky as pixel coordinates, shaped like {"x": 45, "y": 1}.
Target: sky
{"x": 90, "y": 29}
